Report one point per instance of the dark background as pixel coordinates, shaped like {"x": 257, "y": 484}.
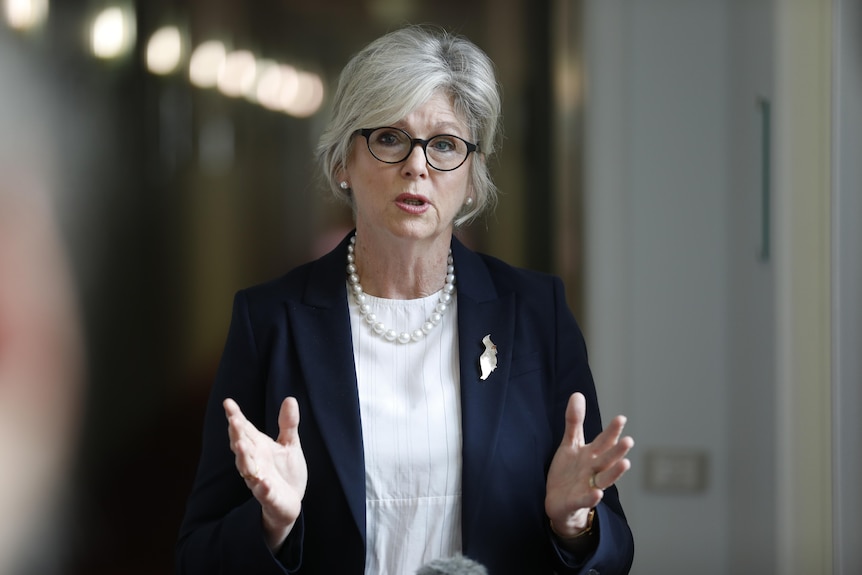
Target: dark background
{"x": 163, "y": 226}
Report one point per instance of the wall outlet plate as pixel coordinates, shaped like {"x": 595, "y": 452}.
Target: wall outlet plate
{"x": 676, "y": 470}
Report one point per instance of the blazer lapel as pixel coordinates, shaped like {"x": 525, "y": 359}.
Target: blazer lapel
{"x": 325, "y": 348}
{"x": 481, "y": 311}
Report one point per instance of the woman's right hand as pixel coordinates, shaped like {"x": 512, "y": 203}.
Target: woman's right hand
{"x": 274, "y": 471}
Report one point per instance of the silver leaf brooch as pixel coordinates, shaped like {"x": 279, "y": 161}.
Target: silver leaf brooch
{"x": 488, "y": 359}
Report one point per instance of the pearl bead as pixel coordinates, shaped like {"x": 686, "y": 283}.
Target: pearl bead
{"x": 378, "y": 327}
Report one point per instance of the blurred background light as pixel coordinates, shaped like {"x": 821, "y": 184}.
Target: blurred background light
{"x": 113, "y": 32}
{"x": 262, "y": 70}
{"x": 205, "y": 64}
{"x": 25, "y": 14}
{"x": 237, "y": 75}
{"x": 308, "y": 96}
{"x": 164, "y": 50}
{"x": 284, "y": 92}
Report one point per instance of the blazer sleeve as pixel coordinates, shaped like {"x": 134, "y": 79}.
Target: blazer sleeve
{"x": 614, "y": 545}
{"x": 222, "y": 529}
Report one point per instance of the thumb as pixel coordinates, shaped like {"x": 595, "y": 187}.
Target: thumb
{"x": 288, "y": 421}
{"x": 575, "y": 413}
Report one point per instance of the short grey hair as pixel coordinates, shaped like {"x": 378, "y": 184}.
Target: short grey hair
{"x": 399, "y": 72}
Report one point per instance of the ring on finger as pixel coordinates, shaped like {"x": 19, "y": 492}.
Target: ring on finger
{"x": 593, "y": 484}
{"x": 255, "y": 475}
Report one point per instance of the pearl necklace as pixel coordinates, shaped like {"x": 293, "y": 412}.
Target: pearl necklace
{"x": 379, "y": 327}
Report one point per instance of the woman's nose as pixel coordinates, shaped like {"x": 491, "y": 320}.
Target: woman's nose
{"x": 416, "y": 163}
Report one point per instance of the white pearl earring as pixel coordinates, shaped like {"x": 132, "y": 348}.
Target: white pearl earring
{"x": 344, "y": 185}
{"x": 468, "y": 202}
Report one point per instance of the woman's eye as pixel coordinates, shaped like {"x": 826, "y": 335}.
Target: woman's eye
{"x": 443, "y": 145}
{"x": 388, "y": 139}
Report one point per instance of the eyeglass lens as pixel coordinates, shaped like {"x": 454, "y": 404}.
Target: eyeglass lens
{"x": 443, "y": 152}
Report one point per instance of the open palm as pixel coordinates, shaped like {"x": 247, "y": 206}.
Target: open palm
{"x": 274, "y": 470}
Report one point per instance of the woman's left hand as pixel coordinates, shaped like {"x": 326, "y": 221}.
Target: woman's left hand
{"x": 580, "y": 471}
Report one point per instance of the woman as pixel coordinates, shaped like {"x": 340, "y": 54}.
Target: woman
{"x": 382, "y": 414}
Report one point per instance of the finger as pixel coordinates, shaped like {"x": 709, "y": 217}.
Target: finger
{"x": 230, "y": 407}
{"x": 242, "y": 442}
{"x": 575, "y": 412}
{"x": 288, "y": 421}
{"x": 248, "y": 467}
{"x": 234, "y": 416}
{"x": 245, "y": 457}
{"x": 612, "y": 474}
{"x": 604, "y": 459}
{"x": 612, "y": 464}
{"x": 239, "y": 426}
{"x": 610, "y": 435}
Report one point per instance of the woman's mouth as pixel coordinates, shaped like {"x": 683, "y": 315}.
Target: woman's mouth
{"x": 412, "y": 203}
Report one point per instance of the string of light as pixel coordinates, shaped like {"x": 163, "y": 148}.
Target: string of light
{"x": 236, "y": 73}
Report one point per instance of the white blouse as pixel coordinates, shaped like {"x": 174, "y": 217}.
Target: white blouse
{"x": 409, "y": 398}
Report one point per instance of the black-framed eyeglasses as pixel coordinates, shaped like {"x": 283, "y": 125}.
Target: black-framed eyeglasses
{"x": 443, "y": 152}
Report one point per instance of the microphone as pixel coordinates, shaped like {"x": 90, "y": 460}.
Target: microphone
{"x": 457, "y": 565}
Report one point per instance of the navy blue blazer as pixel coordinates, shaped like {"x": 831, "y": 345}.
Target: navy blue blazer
{"x": 292, "y": 337}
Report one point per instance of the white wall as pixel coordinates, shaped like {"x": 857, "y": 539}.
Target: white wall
{"x": 700, "y": 342}
{"x": 656, "y": 212}
{"x": 847, "y": 286}
{"x": 751, "y": 382}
